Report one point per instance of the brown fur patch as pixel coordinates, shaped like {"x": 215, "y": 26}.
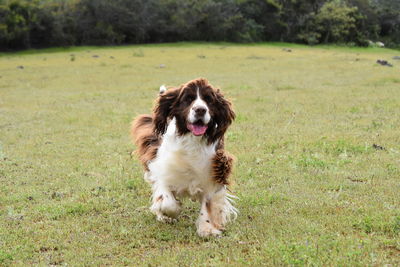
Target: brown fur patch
{"x": 222, "y": 165}
{"x": 208, "y": 207}
{"x": 214, "y": 215}
{"x": 162, "y": 110}
{"x": 146, "y": 141}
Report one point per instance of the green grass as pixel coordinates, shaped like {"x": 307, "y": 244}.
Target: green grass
{"x": 313, "y": 189}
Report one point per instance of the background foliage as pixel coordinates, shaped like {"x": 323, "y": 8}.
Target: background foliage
{"x": 35, "y": 23}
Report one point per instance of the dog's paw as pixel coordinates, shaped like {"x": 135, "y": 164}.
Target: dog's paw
{"x": 170, "y": 207}
{"x": 165, "y": 219}
{"x": 208, "y": 231}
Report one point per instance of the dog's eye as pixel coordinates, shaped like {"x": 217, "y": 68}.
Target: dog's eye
{"x": 207, "y": 98}
{"x": 188, "y": 98}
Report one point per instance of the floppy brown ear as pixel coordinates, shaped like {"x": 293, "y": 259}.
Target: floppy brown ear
{"x": 162, "y": 110}
{"x": 226, "y": 114}
{"x": 223, "y": 116}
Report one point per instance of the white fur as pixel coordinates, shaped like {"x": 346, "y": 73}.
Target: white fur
{"x": 163, "y": 89}
{"x": 199, "y": 103}
{"x": 182, "y": 167}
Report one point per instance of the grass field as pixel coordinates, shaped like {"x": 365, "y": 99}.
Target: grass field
{"x": 317, "y": 141}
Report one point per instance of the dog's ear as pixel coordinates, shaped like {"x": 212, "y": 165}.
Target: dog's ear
{"x": 163, "y": 108}
{"x": 223, "y": 116}
{"x": 225, "y": 113}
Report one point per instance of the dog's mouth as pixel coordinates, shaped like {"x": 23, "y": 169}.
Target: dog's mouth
{"x": 197, "y": 128}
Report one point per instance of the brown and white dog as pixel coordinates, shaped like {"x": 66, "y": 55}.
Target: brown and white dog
{"x": 181, "y": 146}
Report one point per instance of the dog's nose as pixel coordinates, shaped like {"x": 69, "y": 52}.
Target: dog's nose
{"x": 199, "y": 111}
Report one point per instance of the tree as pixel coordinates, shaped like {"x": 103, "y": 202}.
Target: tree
{"x": 335, "y": 21}
{"x": 14, "y": 27}
{"x": 266, "y": 14}
{"x": 41, "y": 23}
{"x": 388, "y": 12}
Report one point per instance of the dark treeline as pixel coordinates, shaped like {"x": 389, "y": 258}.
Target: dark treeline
{"x": 26, "y": 24}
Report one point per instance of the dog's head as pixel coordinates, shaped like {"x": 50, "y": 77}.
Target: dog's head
{"x": 199, "y": 109}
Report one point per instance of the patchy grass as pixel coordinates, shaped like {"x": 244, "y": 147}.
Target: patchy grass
{"x": 316, "y": 138}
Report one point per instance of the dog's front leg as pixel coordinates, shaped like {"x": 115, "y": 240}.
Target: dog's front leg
{"x": 165, "y": 206}
{"x": 205, "y": 224}
{"x": 216, "y": 211}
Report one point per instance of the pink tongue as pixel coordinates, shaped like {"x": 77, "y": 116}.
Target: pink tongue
{"x": 197, "y": 129}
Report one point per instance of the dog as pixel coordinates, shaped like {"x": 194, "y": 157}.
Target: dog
{"x": 181, "y": 147}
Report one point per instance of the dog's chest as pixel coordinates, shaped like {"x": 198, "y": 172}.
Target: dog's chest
{"x": 183, "y": 163}
{"x": 195, "y": 158}
{"x": 188, "y": 156}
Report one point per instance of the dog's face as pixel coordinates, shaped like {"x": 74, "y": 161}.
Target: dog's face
{"x": 198, "y": 107}
{"x": 193, "y": 109}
